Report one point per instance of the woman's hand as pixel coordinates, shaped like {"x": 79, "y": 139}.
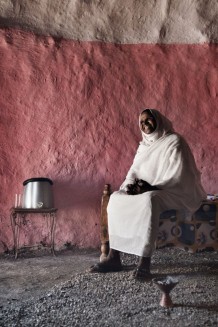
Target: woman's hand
{"x": 139, "y": 187}
{"x": 132, "y": 189}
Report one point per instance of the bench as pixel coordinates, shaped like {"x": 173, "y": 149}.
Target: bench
{"x": 192, "y": 233}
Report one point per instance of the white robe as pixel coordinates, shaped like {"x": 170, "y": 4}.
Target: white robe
{"x": 167, "y": 163}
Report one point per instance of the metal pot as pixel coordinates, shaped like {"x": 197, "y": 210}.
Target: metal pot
{"x": 38, "y": 193}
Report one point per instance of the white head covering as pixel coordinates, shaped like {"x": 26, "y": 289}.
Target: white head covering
{"x": 164, "y": 126}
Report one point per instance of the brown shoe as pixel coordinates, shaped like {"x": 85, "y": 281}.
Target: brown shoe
{"x": 104, "y": 267}
{"x": 142, "y": 274}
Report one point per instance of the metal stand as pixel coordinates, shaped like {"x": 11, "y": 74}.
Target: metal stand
{"x": 18, "y": 216}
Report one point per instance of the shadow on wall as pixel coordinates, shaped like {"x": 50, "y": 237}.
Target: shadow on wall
{"x": 77, "y": 194}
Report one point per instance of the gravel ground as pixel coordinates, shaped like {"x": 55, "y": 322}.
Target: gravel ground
{"x": 116, "y": 299}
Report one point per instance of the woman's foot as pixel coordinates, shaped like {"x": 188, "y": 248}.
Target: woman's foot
{"x": 111, "y": 264}
{"x": 142, "y": 272}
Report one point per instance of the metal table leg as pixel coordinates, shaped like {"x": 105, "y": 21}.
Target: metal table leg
{"x": 17, "y": 217}
{"x": 13, "y": 225}
{"x": 53, "y": 222}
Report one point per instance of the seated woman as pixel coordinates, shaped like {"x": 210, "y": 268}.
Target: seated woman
{"x": 163, "y": 160}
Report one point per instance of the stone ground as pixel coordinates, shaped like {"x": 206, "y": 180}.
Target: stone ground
{"x": 40, "y": 290}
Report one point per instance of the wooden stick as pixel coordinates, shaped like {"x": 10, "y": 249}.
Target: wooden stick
{"x": 104, "y": 222}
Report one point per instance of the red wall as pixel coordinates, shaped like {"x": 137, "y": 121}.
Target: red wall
{"x": 69, "y": 111}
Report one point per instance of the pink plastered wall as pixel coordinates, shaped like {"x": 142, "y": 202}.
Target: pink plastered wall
{"x": 69, "y": 111}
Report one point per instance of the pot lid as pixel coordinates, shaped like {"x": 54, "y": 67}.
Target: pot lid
{"x": 38, "y": 179}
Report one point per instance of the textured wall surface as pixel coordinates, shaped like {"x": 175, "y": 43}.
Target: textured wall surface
{"x": 129, "y": 21}
{"x": 69, "y": 109}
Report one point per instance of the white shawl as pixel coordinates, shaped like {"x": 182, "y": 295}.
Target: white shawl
{"x": 163, "y": 159}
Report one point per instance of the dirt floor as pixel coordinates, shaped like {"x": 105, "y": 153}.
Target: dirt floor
{"x": 39, "y": 290}
{"x": 34, "y": 273}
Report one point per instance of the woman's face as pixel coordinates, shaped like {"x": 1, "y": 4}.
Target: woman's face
{"x": 147, "y": 123}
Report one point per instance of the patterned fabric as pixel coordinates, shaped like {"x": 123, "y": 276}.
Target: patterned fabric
{"x": 195, "y": 233}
